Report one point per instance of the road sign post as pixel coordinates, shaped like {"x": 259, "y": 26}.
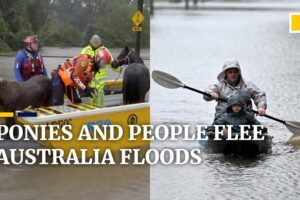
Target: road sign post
{"x": 137, "y": 19}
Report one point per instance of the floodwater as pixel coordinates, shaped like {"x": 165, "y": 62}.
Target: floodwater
{"x": 54, "y": 56}
{"x": 72, "y": 182}
{"x": 193, "y": 45}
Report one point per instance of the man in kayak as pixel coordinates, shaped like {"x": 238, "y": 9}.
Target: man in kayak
{"x": 231, "y": 80}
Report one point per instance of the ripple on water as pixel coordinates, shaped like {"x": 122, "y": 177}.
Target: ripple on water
{"x": 268, "y": 55}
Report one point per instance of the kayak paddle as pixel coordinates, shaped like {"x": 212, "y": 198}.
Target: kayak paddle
{"x": 168, "y": 81}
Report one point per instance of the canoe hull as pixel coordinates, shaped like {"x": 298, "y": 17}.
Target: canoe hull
{"x": 248, "y": 148}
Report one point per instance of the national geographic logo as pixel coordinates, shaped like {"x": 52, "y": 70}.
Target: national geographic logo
{"x": 132, "y": 119}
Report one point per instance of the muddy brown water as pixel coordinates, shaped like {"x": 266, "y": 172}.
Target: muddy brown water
{"x": 193, "y": 45}
{"x": 72, "y": 182}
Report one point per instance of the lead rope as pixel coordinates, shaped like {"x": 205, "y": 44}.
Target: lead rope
{"x": 117, "y": 77}
{"x": 122, "y": 68}
{"x": 72, "y": 94}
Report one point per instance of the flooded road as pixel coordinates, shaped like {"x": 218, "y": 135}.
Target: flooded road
{"x": 193, "y": 45}
{"x": 54, "y": 56}
{"x": 72, "y": 182}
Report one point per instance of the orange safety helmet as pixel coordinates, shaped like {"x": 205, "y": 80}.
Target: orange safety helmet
{"x": 30, "y": 39}
{"x": 103, "y": 54}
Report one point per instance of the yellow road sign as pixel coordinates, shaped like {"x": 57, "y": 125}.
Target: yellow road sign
{"x": 137, "y": 18}
{"x": 136, "y": 28}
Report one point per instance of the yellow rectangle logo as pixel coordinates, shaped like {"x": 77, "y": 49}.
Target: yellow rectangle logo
{"x": 294, "y": 22}
{"x": 6, "y": 114}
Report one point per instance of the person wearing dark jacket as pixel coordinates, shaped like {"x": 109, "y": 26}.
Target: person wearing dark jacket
{"x": 236, "y": 114}
{"x": 244, "y": 96}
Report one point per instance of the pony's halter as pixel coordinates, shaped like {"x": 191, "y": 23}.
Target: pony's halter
{"x": 126, "y": 63}
{"x": 126, "y": 59}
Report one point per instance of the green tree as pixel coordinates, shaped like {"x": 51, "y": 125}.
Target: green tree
{"x": 115, "y": 26}
{"x": 70, "y": 22}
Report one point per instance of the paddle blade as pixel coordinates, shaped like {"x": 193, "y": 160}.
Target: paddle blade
{"x": 295, "y": 141}
{"x": 294, "y": 127}
{"x": 166, "y": 80}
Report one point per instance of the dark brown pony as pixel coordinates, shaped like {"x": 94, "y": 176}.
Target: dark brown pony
{"x": 35, "y": 92}
{"x": 136, "y": 78}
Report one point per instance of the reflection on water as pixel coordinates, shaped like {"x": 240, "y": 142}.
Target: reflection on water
{"x": 193, "y": 45}
{"x": 55, "y": 56}
{"x": 74, "y": 182}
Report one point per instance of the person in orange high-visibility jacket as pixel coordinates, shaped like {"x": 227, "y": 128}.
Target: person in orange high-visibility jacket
{"x": 76, "y": 73}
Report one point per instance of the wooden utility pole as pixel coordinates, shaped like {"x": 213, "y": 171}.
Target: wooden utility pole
{"x": 186, "y": 4}
{"x": 151, "y": 7}
{"x": 138, "y": 33}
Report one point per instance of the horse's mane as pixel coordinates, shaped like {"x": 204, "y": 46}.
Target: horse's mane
{"x": 136, "y": 58}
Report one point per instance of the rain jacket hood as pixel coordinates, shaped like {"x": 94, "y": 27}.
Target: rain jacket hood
{"x": 233, "y": 100}
{"x": 225, "y": 90}
{"x": 244, "y": 94}
{"x": 236, "y": 118}
{"x": 228, "y": 65}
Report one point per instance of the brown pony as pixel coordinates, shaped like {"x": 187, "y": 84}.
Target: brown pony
{"x": 35, "y": 92}
{"x": 136, "y": 77}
